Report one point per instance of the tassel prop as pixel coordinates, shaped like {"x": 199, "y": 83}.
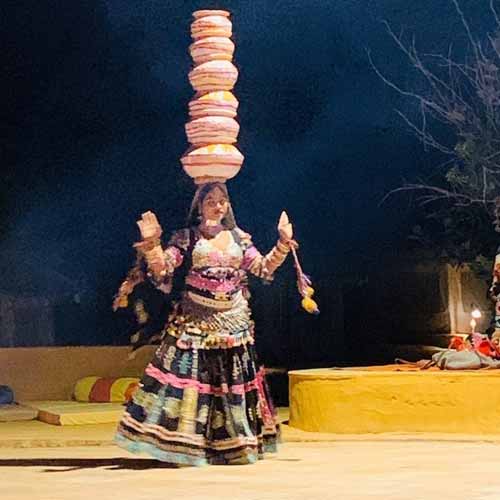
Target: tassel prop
{"x": 304, "y": 284}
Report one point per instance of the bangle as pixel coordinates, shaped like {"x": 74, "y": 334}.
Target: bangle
{"x": 282, "y": 247}
{"x": 147, "y": 245}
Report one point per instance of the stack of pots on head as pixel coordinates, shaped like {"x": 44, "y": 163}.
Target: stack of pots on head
{"x": 212, "y": 130}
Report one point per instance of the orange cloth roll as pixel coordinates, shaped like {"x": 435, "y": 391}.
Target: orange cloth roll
{"x": 211, "y": 48}
{"x": 212, "y": 130}
{"x": 211, "y": 23}
{"x": 213, "y": 75}
{"x": 84, "y": 387}
{"x": 123, "y": 389}
{"x": 219, "y": 103}
{"x": 216, "y": 160}
{"x": 105, "y": 389}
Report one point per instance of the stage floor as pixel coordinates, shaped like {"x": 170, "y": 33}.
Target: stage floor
{"x": 395, "y": 398}
{"x": 300, "y": 471}
{"x": 36, "y": 434}
{"x": 76, "y": 461}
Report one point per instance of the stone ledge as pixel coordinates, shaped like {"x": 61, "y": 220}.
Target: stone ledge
{"x": 395, "y": 398}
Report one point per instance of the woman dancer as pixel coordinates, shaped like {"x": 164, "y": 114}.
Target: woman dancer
{"x": 203, "y": 398}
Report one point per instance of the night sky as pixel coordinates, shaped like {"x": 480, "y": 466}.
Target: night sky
{"x": 96, "y": 96}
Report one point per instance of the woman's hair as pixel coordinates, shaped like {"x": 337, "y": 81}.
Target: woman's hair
{"x": 194, "y": 216}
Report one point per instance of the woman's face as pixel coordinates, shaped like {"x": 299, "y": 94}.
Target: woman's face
{"x": 215, "y": 205}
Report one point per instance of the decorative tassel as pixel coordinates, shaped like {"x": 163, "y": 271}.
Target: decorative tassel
{"x": 304, "y": 284}
{"x": 134, "y": 277}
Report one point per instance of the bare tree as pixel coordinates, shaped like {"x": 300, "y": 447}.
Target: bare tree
{"x": 464, "y": 97}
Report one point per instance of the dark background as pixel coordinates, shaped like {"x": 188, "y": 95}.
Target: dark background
{"x": 95, "y": 96}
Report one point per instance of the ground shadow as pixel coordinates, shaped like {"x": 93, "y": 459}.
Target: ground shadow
{"x": 71, "y": 464}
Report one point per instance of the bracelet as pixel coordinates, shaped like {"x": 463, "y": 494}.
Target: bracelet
{"x": 147, "y": 245}
{"x": 282, "y": 247}
{"x": 157, "y": 276}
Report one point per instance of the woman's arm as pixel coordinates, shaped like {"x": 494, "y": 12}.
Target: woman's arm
{"x": 170, "y": 258}
{"x": 264, "y": 266}
{"x": 161, "y": 263}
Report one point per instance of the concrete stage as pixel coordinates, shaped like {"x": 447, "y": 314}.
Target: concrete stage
{"x": 76, "y": 461}
{"x": 36, "y": 434}
{"x": 395, "y": 398}
{"x": 361, "y": 470}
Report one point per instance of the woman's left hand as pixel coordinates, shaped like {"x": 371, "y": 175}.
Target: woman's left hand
{"x": 285, "y": 228}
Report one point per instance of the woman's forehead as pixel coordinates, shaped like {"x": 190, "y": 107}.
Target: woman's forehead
{"x": 216, "y": 192}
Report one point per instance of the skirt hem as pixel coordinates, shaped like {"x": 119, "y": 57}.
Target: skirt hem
{"x": 180, "y": 458}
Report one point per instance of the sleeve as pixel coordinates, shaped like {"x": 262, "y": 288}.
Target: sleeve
{"x": 172, "y": 257}
{"x": 262, "y": 266}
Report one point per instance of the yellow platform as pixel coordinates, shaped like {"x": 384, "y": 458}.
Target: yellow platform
{"x": 36, "y": 434}
{"x": 77, "y": 413}
{"x": 395, "y": 399}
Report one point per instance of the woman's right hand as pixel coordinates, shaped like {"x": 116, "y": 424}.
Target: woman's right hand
{"x": 149, "y": 226}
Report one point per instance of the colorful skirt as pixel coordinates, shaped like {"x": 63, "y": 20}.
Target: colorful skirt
{"x": 198, "y": 406}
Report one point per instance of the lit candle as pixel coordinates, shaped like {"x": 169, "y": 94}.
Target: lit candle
{"x": 473, "y": 325}
{"x": 476, "y": 313}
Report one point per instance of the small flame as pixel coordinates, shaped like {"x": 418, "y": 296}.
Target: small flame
{"x": 476, "y": 313}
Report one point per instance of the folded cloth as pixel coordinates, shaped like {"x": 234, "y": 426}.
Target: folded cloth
{"x": 15, "y": 412}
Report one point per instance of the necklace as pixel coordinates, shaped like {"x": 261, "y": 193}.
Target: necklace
{"x": 209, "y": 230}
